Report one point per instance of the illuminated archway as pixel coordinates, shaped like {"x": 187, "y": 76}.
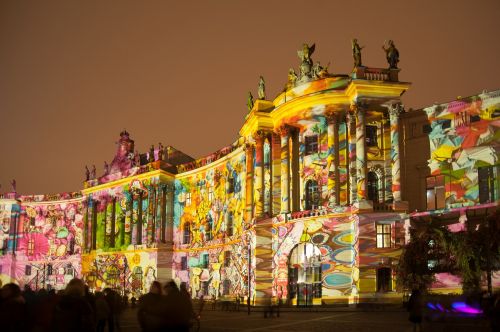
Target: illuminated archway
{"x": 304, "y": 273}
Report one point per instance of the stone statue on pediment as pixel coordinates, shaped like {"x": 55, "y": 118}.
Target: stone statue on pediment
{"x": 93, "y": 172}
{"x": 292, "y": 79}
{"x": 392, "y": 55}
{"x": 306, "y": 64}
{"x": 262, "y": 89}
{"x": 356, "y": 52}
{"x": 249, "y": 101}
{"x": 87, "y": 173}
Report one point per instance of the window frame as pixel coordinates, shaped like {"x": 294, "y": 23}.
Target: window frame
{"x": 383, "y": 235}
{"x": 435, "y": 192}
{"x": 372, "y": 139}
{"x": 311, "y": 144}
{"x": 186, "y": 233}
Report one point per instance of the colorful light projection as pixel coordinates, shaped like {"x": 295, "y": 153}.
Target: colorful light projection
{"x": 464, "y": 137}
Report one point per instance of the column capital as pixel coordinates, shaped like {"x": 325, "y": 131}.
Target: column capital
{"x": 395, "y": 110}
{"x": 331, "y": 116}
{"x": 249, "y": 147}
{"x": 283, "y": 130}
{"x": 259, "y": 136}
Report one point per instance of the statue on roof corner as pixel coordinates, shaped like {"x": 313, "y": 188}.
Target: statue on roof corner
{"x": 392, "y": 55}
{"x": 87, "y": 173}
{"x": 13, "y": 184}
{"x": 92, "y": 173}
{"x": 305, "y": 57}
{"x": 262, "y": 89}
{"x": 356, "y": 52}
{"x": 249, "y": 101}
{"x": 292, "y": 78}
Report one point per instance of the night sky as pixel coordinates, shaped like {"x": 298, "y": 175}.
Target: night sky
{"x": 73, "y": 74}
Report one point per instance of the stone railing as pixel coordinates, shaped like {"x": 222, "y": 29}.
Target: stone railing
{"x": 207, "y": 160}
{"x": 375, "y": 74}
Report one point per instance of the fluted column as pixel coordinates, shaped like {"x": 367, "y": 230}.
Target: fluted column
{"x": 249, "y": 183}
{"x": 332, "y": 160}
{"x": 360, "y": 152}
{"x": 285, "y": 168}
{"x": 259, "y": 189}
{"x": 276, "y": 173}
{"x": 351, "y": 131}
{"x": 394, "y": 112}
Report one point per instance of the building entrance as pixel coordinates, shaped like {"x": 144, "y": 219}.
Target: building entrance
{"x": 304, "y": 274}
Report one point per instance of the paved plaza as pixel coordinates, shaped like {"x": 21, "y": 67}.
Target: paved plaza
{"x": 332, "y": 319}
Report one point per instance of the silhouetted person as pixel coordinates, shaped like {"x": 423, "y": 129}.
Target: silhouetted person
{"x": 133, "y": 301}
{"x": 415, "y": 308}
{"x": 115, "y": 306}
{"x": 12, "y": 309}
{"x": 151, "y": 313}
{"x": 102, "y": 311}
{"x": 179, "y": 308}
{"x": 248, "y": 304}
{"x": 73, "y": 312}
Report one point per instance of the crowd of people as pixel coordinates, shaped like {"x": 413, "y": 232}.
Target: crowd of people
{"x": 77, "y": 309}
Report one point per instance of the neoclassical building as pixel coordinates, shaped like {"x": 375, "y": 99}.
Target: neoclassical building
{"x": 311, "y": 204}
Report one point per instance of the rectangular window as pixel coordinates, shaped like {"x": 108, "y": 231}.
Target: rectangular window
{"x": 31, "y": 247}
{"x": 486, "y": 183}
{"x": 186, "y": 238}
{"x": 311, "y": 143}
{"x": 49, "y": 270}
{"x": 230, "y": 185}
{"x": 435, "y": 192}
{"x": 27, "y": 270}
{"x": 227, "y": 258}
{"x": 204, "y": 261}
{"x": 371, "y": 136}
{"x": 184, "y": 263}
{"x": 188, "y": 199}
{"x": 229, "y": 229}
{"x": 383, "y": 235}
{"x": 208, "y": 231}
{"x": 210, "y": 194}
{"x": 226, "y": 287}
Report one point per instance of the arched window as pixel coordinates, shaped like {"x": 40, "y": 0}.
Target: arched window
{"x": 312, "y": 195}
{"x": 372, "y": 187}
{"x": 186, "y": 238}
{"x": 304, "y": 273}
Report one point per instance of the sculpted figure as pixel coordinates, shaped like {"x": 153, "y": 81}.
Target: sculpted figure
{"x": 356, "y": 52}
{"x": 292, "y": 78}
{"x": 106, "y": 168}
{"x": 392, "y": 55}
{"x": 13, "y": 184}
{"x": 92, "y": 173}
{"x": 262, "y": 89}
{"x": 160, "y": 151}
{"x": 87, "y": 173}
{"x": 137, "y": 158}
{"x": 152, "y": 153}
{"x": 305, "y": 57}
{"x": 250, "y": 101}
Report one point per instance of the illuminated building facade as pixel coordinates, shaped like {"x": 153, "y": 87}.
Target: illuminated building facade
{"x": 310, "y": 204}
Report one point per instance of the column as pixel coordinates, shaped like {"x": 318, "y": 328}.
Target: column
{"x": 128, "y": 217}
{"x": 276, "y": 173}
{"x": 360, "y": 152}
{"x": 285, "y": 166}
{"x": 394, "y": 112}
{"x": 113, "y": 223}
{"x": 259, "y": 189}
{"x": 249, "y": 183}
{"x": 332, "y": 159}
{"x": 351, "y": 131}
{"x": 163, "y": 213}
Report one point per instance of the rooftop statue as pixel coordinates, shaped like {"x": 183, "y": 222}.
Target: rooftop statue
{"x": 319, "y": 72}
{"x": 356, "y": 52}
{"x": 392, "y": 55}
{"x": 160, "y": 151}
{"x": 249, "y": 101}
{"x": 292, "y": 78}
{"x": 305, "y": 57}
{"x": 151, "y": 154}
{"x": 13, "y": 184}
{"x": 262, "y": 89}
{"x": 106, "y": 168}
{"x": 92, "y": 172}
{"x": 87, "y": 173}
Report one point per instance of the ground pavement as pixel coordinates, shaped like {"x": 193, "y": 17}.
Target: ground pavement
{"x": 332, "y": 319}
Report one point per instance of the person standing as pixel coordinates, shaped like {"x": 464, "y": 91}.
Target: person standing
{"x": 151, "y": 314}
{"x": 415, "y": 308}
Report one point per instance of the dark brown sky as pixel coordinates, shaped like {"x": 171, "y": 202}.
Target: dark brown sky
{"x": 73, "y": 74}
